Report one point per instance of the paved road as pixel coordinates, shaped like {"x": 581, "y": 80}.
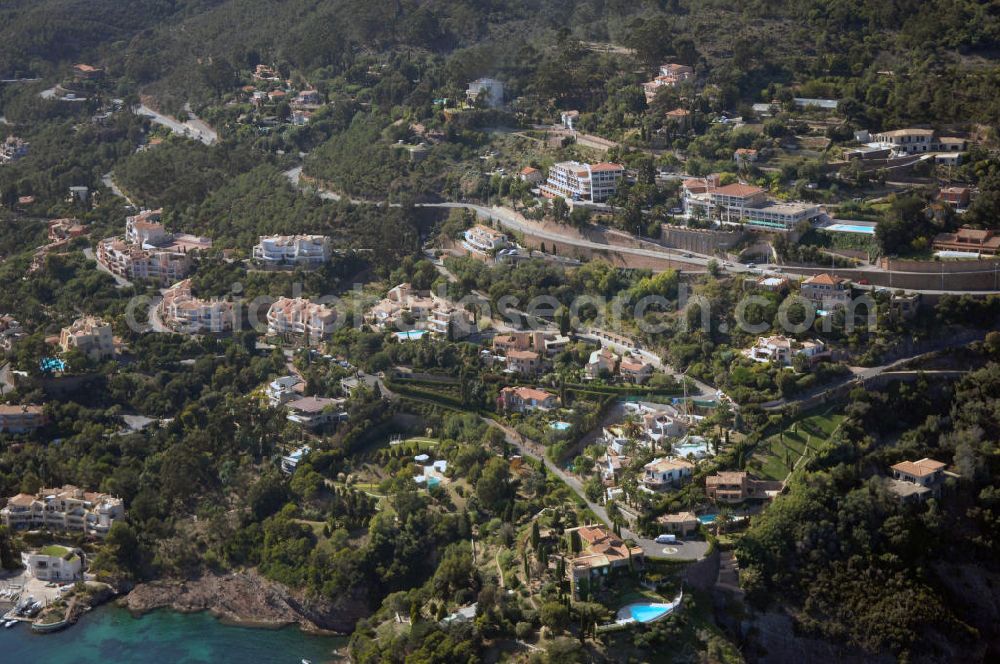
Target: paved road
{"x": 515, "y": 222}
{"x": 193, "y": 127}
{"x": 859, "y": 375}
{"x": 108, "y": 181}
{"x": 122, "y": 281}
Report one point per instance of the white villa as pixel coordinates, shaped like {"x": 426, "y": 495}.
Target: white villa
{"x": 91, "y": 336}
{"x": 53, "y": 563}
{"x": 781, "y": 350}
{"x": 484, "y": 241}
{"x": 665, "y": 473}
{"x": 304, "y": 250}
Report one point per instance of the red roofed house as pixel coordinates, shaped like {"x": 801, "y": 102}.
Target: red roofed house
{"x": 957, "y": 196}
{"x": 86, "y": 72}
{"x": 635, "y": 370}
{"x": 524, "y": 362}
{"x": 531, "y": 174}
{"x": 602, "y": 554}
{"x": 520, "y": 399}
{"x": 827, "y": 290}
{"x": 917, "y": 480}
{"x": 970, "y": 240}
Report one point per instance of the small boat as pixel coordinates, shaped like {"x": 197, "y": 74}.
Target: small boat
{"x": 306, "y": 661}
{"x": 9, "y": 624}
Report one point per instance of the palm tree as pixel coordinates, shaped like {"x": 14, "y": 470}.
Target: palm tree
{"x": 722, "y": 518}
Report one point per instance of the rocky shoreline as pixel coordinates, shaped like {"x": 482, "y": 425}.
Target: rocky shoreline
{"x": 248, "y": 599}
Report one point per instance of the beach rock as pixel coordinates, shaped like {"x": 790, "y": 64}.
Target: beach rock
{"x": 247, "y": 598}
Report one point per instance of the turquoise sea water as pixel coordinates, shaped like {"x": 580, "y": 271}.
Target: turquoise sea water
{"x": 110, "y": 635}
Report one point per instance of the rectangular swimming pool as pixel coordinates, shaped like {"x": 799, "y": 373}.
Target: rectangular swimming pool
{"x": 851, "y": 228}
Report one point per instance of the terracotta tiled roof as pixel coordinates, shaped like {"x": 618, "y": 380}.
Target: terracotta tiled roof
{"x": 920, "y": 468}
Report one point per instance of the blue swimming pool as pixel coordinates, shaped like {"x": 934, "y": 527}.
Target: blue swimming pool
{"x": 644, "y": 612}
{"x": 432, "y": 482}
{"x": 50, "y": 364}
{"x": 851, "y": 228}
{"x": 410, "y": 334}
{"x": 707, "y": 518}
{"x": 560, "y": 426}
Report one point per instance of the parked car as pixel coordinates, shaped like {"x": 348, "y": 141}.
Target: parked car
{"x": 666, "y": 538}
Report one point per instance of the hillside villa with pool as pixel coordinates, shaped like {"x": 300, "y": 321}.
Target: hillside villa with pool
{"x": 522, "y": 399}
{"x": 603, "y": 554}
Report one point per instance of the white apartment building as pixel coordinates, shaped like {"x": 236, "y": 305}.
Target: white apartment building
{"x": 780, "y": 216}
{"x": 69, "y": 509}
{"x": 148, "y": 251}
{"x": 742, "y": 203}
{"x": 592, "y": 183}
{"x": 308, "y": 250}
{"x": 484, "y": 240}
{"x": 182, "y": 312}
{"x": 300, "y": 318}
{"x": 91, "y": 336}
{"x": 130, "y": 261}
{"x": 53, "y": 563}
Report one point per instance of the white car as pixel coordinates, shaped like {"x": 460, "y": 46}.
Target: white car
{"x": 666, "y": 539}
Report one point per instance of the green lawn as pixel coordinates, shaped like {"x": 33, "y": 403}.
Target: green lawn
{"x": 777, "y": 455}
{"x": 54, "y": 550}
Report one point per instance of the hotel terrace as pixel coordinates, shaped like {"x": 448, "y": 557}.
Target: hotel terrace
{"x": 148, "y": 251}
{"x": 299, "y": 250}
{"x": 69, "y": 509}
{"x": 299, "y": 318}
{"x": 183, "y": 312}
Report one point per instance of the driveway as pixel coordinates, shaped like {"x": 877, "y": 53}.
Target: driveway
{"x": 679, "y": 550}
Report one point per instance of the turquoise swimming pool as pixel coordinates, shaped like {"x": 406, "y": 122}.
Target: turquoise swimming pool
{"x": 410, "y": 334}
{"x": 50, "y": 364}
{"x": 851, "y": 228}
{"x": 644, "y": 612}
{"x": 707, "y": 518}
{"x": 560, "y": 426}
